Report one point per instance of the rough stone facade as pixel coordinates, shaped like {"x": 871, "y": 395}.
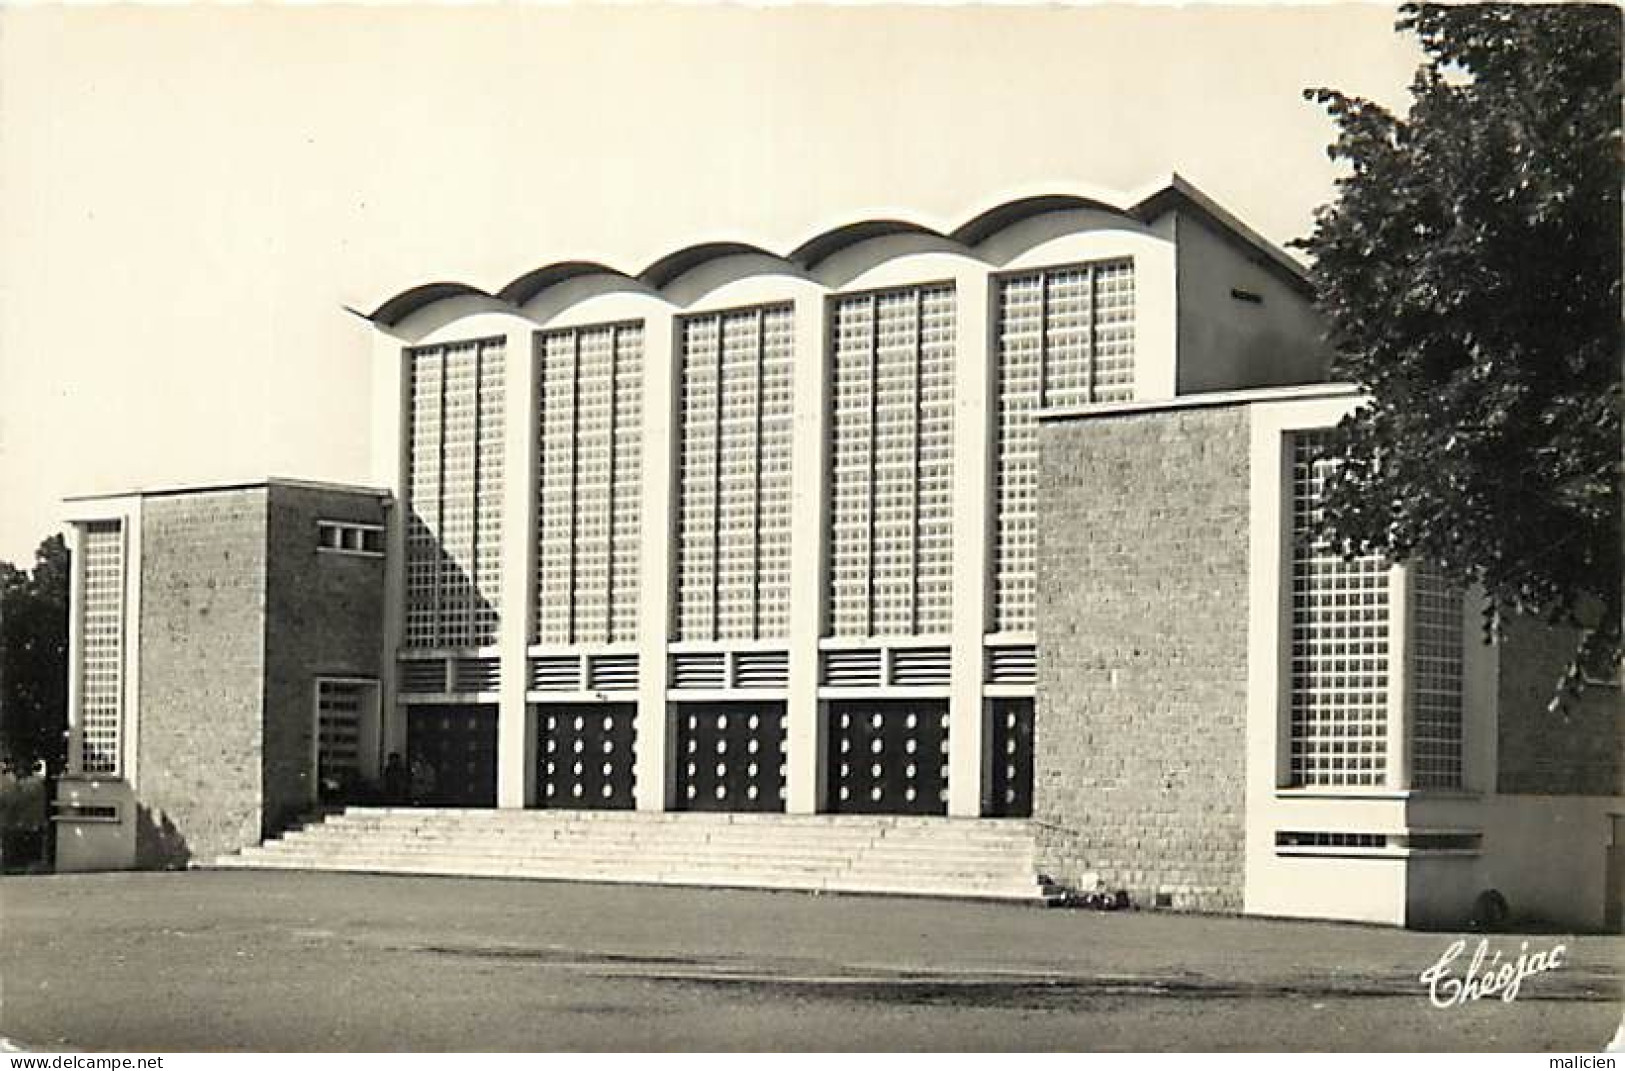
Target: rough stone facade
{"x": 325, "y": 619}
{"x": 240, "y": 613}
{"x": 1140, "y": 734}
{"x": 1578, "y": 751}
{"x": 202, "y": 666}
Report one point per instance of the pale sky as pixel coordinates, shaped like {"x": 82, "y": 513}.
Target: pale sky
{"x": 189, "y": 196}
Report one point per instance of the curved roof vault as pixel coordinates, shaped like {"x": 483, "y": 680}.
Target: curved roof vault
{"x": 1173, "y": 194}
{"x": 404, "y": 304}
{"x": 821, "y": 247}
{"x": 685, "y": 260}
{"x": 980, "y": 228}
{"x": 537, "y": 280}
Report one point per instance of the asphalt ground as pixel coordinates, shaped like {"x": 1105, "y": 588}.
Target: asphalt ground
{"x": 268, "y": 961}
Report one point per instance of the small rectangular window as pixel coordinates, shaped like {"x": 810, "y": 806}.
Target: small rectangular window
{"x": 350, "y": 538}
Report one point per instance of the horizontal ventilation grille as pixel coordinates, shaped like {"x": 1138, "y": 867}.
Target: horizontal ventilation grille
{"x": 1012, "y": 665}
{"x": 1322, "y": 839}
{"x": 612, "y": 673}
{"x": 761, "y": 669}
{"x": 423, "y": 675}
{"x": 852, "y": 669}
{"x": 555, "y": 673}
{"x": 68, "y": 811}
{"x": 920, "y": 666}
{"x": 709, "y": 670}
{"x": 477, "y": 674}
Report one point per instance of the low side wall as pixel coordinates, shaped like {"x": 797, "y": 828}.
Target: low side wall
{"x": 1140, "y": 745}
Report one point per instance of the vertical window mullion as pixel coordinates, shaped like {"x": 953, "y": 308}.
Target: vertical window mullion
{"x": 715, "y": 630}
{"x": 1044, "y": 279}
{"x": 757, "y": 516}
{"x": 1092, "y": 350}
{"x": 613, "y": 359}
{"x": 916, "y": 422}
{"x": 471, "y": 590}
{"x": 438, "y": 602}
{"x": 871, "y": 468}
{"x": 572, "y": 626}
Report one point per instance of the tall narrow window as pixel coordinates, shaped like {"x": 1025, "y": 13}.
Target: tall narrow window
{"x": 339, "y": 715}
{"x": 1065, "y": 337}
{"x": 1435, "y": 644}
{"x": 101, "y": 631}
{"x": 1340, "y": 663}
{"x": 891, "y": 457}
{"x": 733, "y": 509}
{"x": 590, "y": 414}
{"x": 454, "y": 490}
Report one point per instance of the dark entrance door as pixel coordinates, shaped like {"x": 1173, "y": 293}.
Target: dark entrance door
{"x": 587, "y": 755}
{"x": 1011, "y": 739}
{"x": 888, "y": 756}
{"x": 730, "y": 756}
{"x": 451, "y": 751}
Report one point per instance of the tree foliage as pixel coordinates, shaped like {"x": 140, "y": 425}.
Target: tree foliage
{"x": 1469, "y": 272}
{"x": 34, "y": 661}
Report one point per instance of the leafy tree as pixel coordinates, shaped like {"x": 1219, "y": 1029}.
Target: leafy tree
{"x": 1469, "y": 272}
{"x": 34, "y": 661}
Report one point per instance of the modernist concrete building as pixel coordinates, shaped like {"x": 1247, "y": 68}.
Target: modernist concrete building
{"x": 992, "y": 521}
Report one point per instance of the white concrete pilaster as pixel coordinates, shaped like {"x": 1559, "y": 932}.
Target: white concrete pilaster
{"x": 130, "y": 700}
{"x": 516, "y": 740}
{"x": 806, "y": 791}
{"x": 392, "y": 400}
{"x": 972, "y": 487}
{"x": 653, "y": 770}
{"x": 71, "y": 532}
{"x": 1399, "y": 691}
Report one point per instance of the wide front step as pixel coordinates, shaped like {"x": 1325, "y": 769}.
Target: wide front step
{"x": 907, "y": 855}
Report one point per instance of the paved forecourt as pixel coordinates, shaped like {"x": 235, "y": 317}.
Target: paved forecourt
{"x": 308, "y": 961}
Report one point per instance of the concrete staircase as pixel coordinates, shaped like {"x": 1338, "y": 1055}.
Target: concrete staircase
{"x": 912, "y": 856}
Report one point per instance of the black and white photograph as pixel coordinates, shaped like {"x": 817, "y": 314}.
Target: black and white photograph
{"x": 806, "y": 527}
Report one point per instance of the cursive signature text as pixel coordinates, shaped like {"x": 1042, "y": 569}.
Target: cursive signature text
{"x": 1486, "y": 974}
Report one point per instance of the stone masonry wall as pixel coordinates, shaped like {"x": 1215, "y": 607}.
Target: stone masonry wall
{"x": 1140, "y": 735}
{"x": 1578, "y": 751}
{"x": 325, "y": 619}
{"x": 201, "y": 671}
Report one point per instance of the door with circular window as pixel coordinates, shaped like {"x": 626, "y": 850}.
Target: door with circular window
{"x": 888, "y": 756}
{"x": 586, "y": 754}
{"x": 730, "y": 756}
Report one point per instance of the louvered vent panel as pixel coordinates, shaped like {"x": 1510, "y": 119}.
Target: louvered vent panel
{"x": 476, "y": 674}
{"x": 852, "y": 669}
{"x": 556, "y": 673}
{"x": 419, "y": 675}
{"x": 1012, "y": 665}
{"x": 707, "y": 670}
{"x": 761, "y": 669}
{"x": 612, "y": 673}
{"x": 920, "y": 666}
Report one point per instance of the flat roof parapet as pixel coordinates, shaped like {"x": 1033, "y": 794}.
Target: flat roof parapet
{"x": 234, "y": 485}
{"x": 1211, "y": 399}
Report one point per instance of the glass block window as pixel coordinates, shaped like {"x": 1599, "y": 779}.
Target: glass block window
{"x": 891, "y": 458}
{"x": 1065, "y": 337}
{"x": 733, "y": 493}
{"x": 1435, "y": 642}
{"x": 101, "y": 632}
{"x": 454, "y": 492}
{"x": 338, "y": 736}
{"x": 589, "y": 468}
{"x": 1340, "y": 666}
